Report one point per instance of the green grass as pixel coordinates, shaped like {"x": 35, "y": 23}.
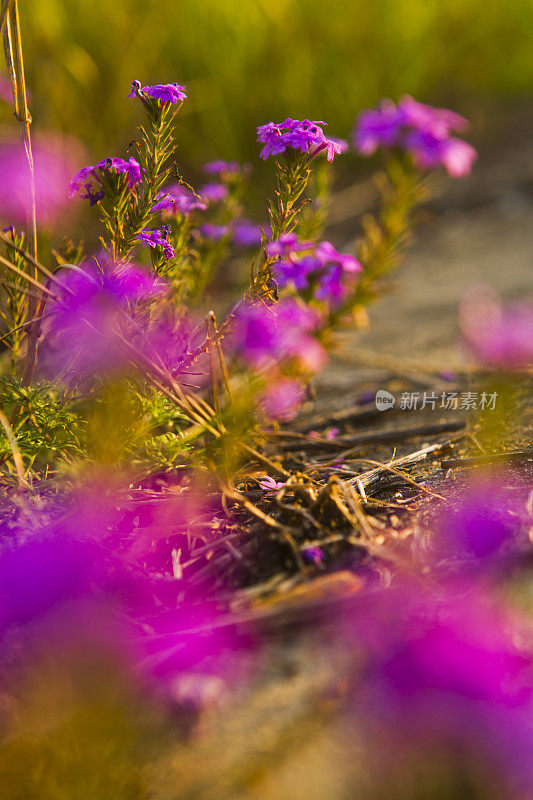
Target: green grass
{"x": 248, "y": 61}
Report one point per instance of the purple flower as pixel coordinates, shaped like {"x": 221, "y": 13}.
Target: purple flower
{"x": 90, "y": 319}
{"x": 378, "y": 128}
{"x": 268, "y": 335}
{"x": 222, "y": 167}
{"x": 450, "y": 673}
{"x": 246, "y": 234}
{"x": 313, "y": 555}
{"x": 214, "y": 232}
{"x": 157, "y": 238}
{"x": 322, "y": 269}
{"x": 89, "y": 177}
{"x": 282, "y": 400}
{"x": 438, "y": 121}
{"x": 479, "y": 520}
{"x": 429, "y": 152}
{"x": 422, "y": 130}
{"x": 53, "y": 159}
{"x": 270, "y": 485}
{"x": 304, "y": 135}
{"x": 296, "y": 272}
{"x": 131, "y": 168}
{"x": 213, "y": 192}
{"x": 178, "y": 200}
{"x": 326, "y": 253}
{"x": 497, "y": 336}
{"x": 166, "y": 92}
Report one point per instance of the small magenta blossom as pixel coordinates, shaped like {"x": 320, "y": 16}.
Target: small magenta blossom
{"x": 270, "y": 485}
{"x": 247, "y": 234}
{"x": 421, "y": 130}
{"x": 313, "y": 555}
{"x": 497, "y": 336}
{"x": 157, "y": 238}
{"x": 177, "y": 199}
{"x": 166, "y": 92}
{"x": 214, "y": 232}
{"x": 304, "y": 135}
{"x": 213, "y": 192}
{"x": 282, "y": 399}
{"x": 222, "y": 167}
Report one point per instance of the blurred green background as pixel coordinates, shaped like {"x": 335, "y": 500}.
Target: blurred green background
{"x": 246, "y": 62}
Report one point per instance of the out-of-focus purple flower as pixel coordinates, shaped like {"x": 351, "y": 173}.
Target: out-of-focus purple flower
{"x": 313, "y": 555}
{"x": 307, "y": 136}
{"x": 53, "y": 159}
{"x": 88, "y": 321}
{"x": 282, "y": 399}
{"x": 157, "y": 238}
{"x": 222, "y": 167}
{"x": 378, "y": 127}
{"x": 420, "y": 129}
{"x": 178, "y": 199}
{"x": 267, "y": 335}
{"x": 169, "y": 339}
{"x": 247, "y": 234}
{"x": 497, "y": 336}
{"x": 214, "y": 232}
{"x": 448, "y": 672}
{"x": 429, "y": 152}
{"x": 166, "y": 92}
{"x": 213, "y": 192}
{"x": 438, "y": 121}
{"x": 270, "y": 485}
{"x": 477, "y": 520}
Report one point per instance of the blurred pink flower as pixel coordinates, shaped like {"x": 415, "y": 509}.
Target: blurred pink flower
{"x": 497, "y": 336}
{"x": 53, "y": 164}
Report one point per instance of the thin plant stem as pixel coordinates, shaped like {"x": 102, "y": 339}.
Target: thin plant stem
{"x": 15, "y": 66}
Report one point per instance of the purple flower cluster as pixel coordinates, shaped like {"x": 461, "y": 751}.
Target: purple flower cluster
{"x": 166, "y": 92}
{"x": 304, "y": 135}
{"x": 157, "y": 238}
{"x": 421, "y": 130}
{"x": 90, "y": 178}
{"x": 90, "y": 318}
{"x": 222, "y": 168}
{"x": 449, "y": 672}
{"x": 497, "y": 336}
{"x": 270, "y": 335}
{"x": 178, "y": 199}
{"x": 316, "y": 269}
